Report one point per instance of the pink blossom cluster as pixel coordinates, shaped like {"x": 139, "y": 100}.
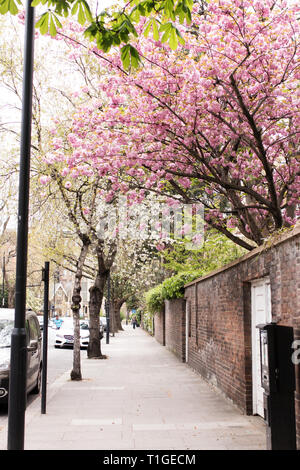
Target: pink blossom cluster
{"x": 215, "y": 121}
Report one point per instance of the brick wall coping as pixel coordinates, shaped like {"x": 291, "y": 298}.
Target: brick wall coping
{"x": 267, "y": 245}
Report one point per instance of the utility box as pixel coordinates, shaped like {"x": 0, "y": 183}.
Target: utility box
{"x": 278, "y": 382}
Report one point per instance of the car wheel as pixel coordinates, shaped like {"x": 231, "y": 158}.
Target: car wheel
{"x": 37, "y": 388}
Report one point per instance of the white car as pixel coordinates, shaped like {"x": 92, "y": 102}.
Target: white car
{"x": 103, "y": 322}
{"x": 65, "y": 334}
{"x": 41, "y": 321}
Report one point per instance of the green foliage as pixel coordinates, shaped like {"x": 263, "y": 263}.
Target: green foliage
{"x": 217, "y": 250}
{"x": 130, "y": 56}
{"x": 48, "y": 22}
{"x": 114, "y": 28}
{"x": 148, "y": 321}
{"x": 122, "y": 315}
{"x": 154, "y": 299}
{"x": 171, "y": 34}
{"x": 173, "y": 287}
{"x": 189, "y": 265}
{"x": 132, "y": 301}
{"x": 9, "y": 6}
{"x": 139, "y": 316}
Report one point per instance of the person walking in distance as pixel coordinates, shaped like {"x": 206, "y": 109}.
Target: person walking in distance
{"x": 134, "y": 322}
{"x": 58, "y": 322}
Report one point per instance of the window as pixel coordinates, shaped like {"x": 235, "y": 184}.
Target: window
{"x": 34, "y": 329}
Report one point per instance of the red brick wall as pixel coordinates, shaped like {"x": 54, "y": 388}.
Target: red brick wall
{"x": 219, "y": 342}
{"x": 170, "y": 327}
{"x": 219, "y": 347}
{"x": 175, "y": 327}
{"x": 220, "y": 305}
{"x": 159, "y": 327}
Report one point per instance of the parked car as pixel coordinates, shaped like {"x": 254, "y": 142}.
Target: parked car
{"x": 65, "y": 335}
{"x": 34, "y": 352}
{"x": 100, "y": 327}
{"x": 41, "y": 321}
{"x": 102, "y": 330}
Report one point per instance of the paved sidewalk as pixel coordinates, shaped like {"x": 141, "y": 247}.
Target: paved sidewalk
{"x": 141, "y": 397}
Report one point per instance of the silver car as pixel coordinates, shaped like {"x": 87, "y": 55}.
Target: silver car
{"x": 34, "y": 354}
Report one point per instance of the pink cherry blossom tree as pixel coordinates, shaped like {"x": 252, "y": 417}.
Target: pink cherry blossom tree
{"x": 216, "y": 121}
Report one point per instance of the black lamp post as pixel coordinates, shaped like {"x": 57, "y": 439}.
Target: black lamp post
{"x": 3, "y": 281}
{"x": 108, "y": 309}
{"x": 56, "y": 278}
{"x": 45, "y": 337}
{"x": 17, "y": 386}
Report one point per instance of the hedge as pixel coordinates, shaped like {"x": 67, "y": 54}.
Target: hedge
{"x": 171, "y": 288}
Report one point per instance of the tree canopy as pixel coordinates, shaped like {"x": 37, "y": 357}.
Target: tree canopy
{"x": 115, "y": 26}
{"x": 215, "y": 121}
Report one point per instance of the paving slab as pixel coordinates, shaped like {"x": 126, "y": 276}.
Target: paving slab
{"x": 140, "y": 398}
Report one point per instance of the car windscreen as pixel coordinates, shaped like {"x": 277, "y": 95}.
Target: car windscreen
{"x": 6, "y": 327}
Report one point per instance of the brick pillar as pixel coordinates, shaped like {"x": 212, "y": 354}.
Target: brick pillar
{"x": 175, "y": 327}
{"x": 159, "y": 327}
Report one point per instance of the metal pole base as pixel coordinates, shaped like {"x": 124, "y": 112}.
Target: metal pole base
{"x": 17, "y": 390}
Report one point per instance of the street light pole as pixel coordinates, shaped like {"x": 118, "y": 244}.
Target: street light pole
{"x": 55, "y": 279}
{"x": 18, "y": 375}
{"x": 108, "y": 310}
{"x": 45, "y": 337}
{"x": 3, "y": 281}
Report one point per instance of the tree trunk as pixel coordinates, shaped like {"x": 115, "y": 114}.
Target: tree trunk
{"x": 76, "y": 371}
{"x": 96, "y": 297}
{"x": 10, "y": 287}
{"x": 11, "y": 297}
{"x": 76, "y": 299}
{"x": 117, "y": 315}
